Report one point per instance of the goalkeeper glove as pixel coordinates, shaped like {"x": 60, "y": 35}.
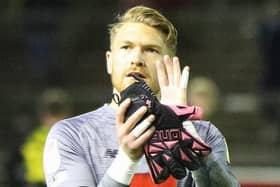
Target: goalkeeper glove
{"x": 171, "y": 148}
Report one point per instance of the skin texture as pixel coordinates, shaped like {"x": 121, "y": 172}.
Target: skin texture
{"x": 141, "y": 48}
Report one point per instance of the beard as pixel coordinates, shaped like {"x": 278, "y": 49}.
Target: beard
{"x": 121, "y": 84}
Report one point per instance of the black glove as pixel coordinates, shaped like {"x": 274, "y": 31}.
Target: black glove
{"x": 171, "y": 148}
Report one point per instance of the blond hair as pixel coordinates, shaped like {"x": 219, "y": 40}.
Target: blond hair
{"x": 150, "y": 17}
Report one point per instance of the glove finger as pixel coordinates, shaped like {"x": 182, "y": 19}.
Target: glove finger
{"x": 158, "y": 170}
{"x": 175, "y": 168}
{"x": 186, "y": 157}
{"x": 198, "y": 146}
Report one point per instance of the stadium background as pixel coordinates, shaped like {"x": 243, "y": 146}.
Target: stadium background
{"x": 62, "y": 43}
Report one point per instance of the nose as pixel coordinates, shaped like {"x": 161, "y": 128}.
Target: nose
{"x": 137, "y": 58}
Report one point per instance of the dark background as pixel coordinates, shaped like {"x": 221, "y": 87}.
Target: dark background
{"x": 62, "y": 43}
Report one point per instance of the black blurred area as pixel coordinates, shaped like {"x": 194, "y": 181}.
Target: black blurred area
{"x": 62, "y": 43}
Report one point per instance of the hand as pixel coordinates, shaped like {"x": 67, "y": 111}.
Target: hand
{"x": 173, "y": 84}
{"x": 159, "y": 150}
{"x": 130, "y": 144}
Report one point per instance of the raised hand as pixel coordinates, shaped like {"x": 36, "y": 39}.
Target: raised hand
{"x": 173, "y": 83}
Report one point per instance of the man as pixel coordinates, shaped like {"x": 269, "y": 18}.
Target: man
{"x": 100, "y": 148}
{"x": 53, "y": 105}
{"x": 204, "y": 92}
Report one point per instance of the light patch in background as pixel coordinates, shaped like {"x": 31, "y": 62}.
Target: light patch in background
{"x": 51, "y": 156}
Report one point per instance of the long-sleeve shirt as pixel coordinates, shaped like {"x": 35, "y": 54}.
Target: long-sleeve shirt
{"x": 79, "y": 151}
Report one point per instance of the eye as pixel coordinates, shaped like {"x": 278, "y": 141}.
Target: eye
{"x": 125, "y": 47}
{"x": 152, "y": 50}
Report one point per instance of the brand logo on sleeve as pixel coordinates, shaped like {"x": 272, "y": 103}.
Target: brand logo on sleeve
{"x": 111, "y": 153}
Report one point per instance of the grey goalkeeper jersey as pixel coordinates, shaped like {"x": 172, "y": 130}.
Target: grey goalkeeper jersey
{"x": 79, "y": 151}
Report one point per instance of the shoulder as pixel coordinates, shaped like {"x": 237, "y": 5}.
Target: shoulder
{"x": 213, "y": 137}
{"x": 75, "y": 128}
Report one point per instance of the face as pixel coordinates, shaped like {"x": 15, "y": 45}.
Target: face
{"x": 136, "y": 47}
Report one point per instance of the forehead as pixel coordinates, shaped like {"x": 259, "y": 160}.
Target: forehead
{"x": 139, "y": 33}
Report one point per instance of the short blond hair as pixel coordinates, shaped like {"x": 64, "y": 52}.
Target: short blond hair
{"x": 150, "y": 17}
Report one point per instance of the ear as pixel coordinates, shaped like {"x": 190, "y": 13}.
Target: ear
{"x": 109, "y": 61}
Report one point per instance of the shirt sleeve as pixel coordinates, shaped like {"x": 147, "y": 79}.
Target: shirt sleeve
{"x": 216, "y": 169}
{"x": 64, "y": 161}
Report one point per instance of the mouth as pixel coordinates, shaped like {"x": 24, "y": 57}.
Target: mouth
{"x": 136, "y": 75}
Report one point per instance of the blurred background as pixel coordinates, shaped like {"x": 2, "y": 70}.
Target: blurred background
{"x": 232, "y": 46}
